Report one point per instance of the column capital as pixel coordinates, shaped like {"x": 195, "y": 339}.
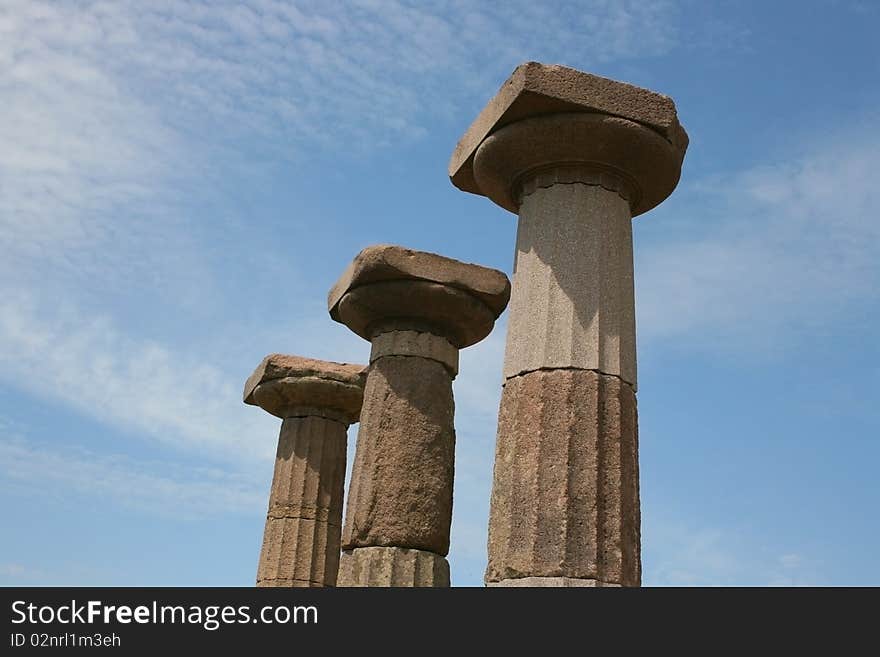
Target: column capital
{"x": 391, "y": 288}
{"x": 570, "y": 126}
{"x": 289, "y": 386}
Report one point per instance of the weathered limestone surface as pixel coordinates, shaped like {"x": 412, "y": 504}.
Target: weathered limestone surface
{"x": 572, "y": 306}
{"x": 565, "y": 500}
{"x": 385, "y": 262}
{"x": 318, "y": 400}
{"x": 400, "y": 492}
{"x": 418, "y": 309}
{"x": 412, "y": 305}
{"x": 576, "y": 156}
{"x": 621, "y": 155}
{"x": 392, "y": 566}
{"x": 301, "y": 539}
{"x": 284, "y": 385}
{"x": 392, "y": 288}
{"x": 415, "y": 343}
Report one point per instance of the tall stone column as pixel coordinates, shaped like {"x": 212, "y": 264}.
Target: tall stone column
{"x": 417, "y": 309}
{"x": 576, "y": 156}
{"x": 317, "y": 401}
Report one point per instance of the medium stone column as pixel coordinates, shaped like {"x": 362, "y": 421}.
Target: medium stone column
{"x": 417, "y": 309}
{"x": 317, "y": 401}
{"x": 576, "y": 156}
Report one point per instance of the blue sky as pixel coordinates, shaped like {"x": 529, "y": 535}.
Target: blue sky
{"x": 182, "y": 182}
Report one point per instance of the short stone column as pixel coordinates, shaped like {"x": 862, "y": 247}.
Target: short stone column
{"x": 417, "y": 309}
{"x": 317, "y": 401}
{"x": 576, "y": 156}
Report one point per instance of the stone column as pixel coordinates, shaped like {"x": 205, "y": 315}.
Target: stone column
{"x": 417, "y": 309}
{"x": 317, "y": 401}
{"x": 576, "y": 156}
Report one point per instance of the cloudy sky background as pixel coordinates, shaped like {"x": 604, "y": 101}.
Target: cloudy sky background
{"x": 181, "y": 182}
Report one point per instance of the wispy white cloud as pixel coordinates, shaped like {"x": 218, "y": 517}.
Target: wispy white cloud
{"x": 781, "y": 248}
{"x": 12, "y": 570}
{"x": 184, "y": 401}
{"x": 163, "y": 488}
{"x": 306, "y": 70}
{"x": 478, "y": 385}
{"x": 115, "y": 114}
{"x": 116, "y": 110}
{"x": 14, "y": 573}
{"x": 681, "y": 554}
{"x": 89, "y": 169}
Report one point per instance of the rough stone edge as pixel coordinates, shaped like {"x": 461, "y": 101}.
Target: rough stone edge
{"x": 577, "y": 174}
{"x": 284, "y": 366}
{"x": 297, "y": 396}
{"x": 371, "y": 557}
{"x": 529, "y": 78}
{"x": 386, "y": 262}
{"x": 297, "y": 412}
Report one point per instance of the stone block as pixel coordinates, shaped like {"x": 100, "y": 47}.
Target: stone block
{"x": 565, "y": 497}
{"x": 301, "y": 540}
{"x": 418, "y": 306}
{"x": 573, "y": 297}
{"x": 536, "y": 89}
{"x": 603, "y": 150}
{"x": 385, "y": 262}
{"x": 392, "y": 567}
{"x": 283, "y": 385}
{"x": 400, "y": 492}
{"x": 414, "y": 343}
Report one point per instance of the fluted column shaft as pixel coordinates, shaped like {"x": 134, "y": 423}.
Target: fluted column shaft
{"x": 316, "y": 401}
{"x": 572, "y": 303}
{"x": 418, "y": 310}
{"x": 576, "y": 156}
{"x": 400, "y": 497}
{"x": 393, "y": 566}
{"x": 301, "y": 540}
{"x": 565, "y": 499}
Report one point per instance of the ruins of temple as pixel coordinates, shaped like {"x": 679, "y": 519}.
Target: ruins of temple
{"x": 575, "y": 157}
